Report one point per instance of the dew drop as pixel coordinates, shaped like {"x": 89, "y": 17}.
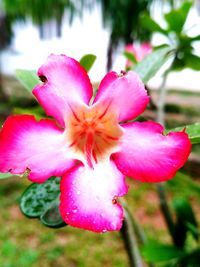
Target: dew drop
{"x": 78, "y": 192}
{"x": 102, "y": 215}
{"x": 104, "y": 231}
{"x": 74, "y": 210}
{"x": 73, "y": 182}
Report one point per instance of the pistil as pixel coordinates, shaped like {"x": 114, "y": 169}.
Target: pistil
{"x": 89, "y": 148}
{"x": 94, "y": 132}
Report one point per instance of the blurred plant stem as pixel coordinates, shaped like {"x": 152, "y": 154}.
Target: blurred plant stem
{"x": 162, "y": 91}
{"x": 161, "y": 186}
{"x": 3, "y": 96}
{"x": 165, "y": 210}
{"x": 132, "y": 235}
{"x": 130, "y": 241}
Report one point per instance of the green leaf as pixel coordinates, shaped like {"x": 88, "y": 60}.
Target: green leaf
{"x": 182, "y": 180}
{"x": 36, "y": 111}
{"x": 156, "y": 252}
{"x": 192, "y": 61}
{"x": 149, "y": 66}
{"x": 28, "y": 78}
{"x": 51, "y": 216}
{"x": 148, "y": 23}
{"x": 194, "y": 39}
{"x": 191, "y": 259}
{"x": 38, "y": 197}
{"x": 130, "y": 57}
{"x": 184, "y": 214}
{"x": 176, "y": 18}
{"x": 193, "y": 229}
{"x": 87, "y": 61}
{"x": 6, "y": 175}
{"x": 42, "y": 201}
{"x": 192, "y": 130}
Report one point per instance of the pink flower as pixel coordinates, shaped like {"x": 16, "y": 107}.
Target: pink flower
{"x": 139, "y": 52}
{"x": 88, "y": 144}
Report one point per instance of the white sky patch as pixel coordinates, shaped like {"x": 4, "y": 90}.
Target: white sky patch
{"x": 87, "y": 36}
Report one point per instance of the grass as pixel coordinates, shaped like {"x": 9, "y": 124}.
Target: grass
{"x": 26, "y": 242}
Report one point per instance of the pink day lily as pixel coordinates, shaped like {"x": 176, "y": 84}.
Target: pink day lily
{"x": 88, "y": 144}
{"x": 139, "y": 52}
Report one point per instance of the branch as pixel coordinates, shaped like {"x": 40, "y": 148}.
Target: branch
{"x": 130, "y": 241}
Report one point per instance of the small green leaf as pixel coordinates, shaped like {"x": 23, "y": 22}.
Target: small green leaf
{"x": 148, "y": 23}
{"x": 156, "y": 252}
{"x": 192, "y": 61}
{"x": 192, "y": 130}
{"x": 184, "y": 214}
{"x": 176, "y": 18}
{"x": 42, "y": 201}
{"x": 51, "y": 217}
{"x": 28, "y": 78}
{"x": 184, "y": 210}
{"x": 130, "y": 57}
{"x": 193, "y": 229}
{"x": 87, "y": 61}
{"x": 194, "y": 39}
{"x": 182, "y": 180}
{"x": 6, "y": 175}
{"x": 36, "y": 111}
{"x": 37, "y": 198}
{"x": 149, "y": 66}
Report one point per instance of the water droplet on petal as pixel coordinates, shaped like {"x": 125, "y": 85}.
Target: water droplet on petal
{"x": 78, "y": 192}
{"x": 73, "y": 182}
{"x": 74, "y": 210}
{"x": 104, "y": 231}
{"x": 102, "y": 215}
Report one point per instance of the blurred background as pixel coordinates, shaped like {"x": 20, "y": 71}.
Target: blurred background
{"x": 29, "y": 32}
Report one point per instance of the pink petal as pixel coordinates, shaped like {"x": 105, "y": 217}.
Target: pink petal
{"x": 89, "y": 197}
{"x": 38, "y": 147}
{"x": 65, "y": 83}
{"x": 142, "y": 51}
{"x": 148, "y": 155}
{"x": 130, "y": 48}
{"x": 125, "y": 92}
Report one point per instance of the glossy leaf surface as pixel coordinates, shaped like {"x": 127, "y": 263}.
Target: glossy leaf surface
{"x": 192, "y": 130}
{"x": 157, "y": 252}
{"x": 149, "y": 66}
{"x": 38, "y": 197}
{"x": 28, "y": 78}
{"x": 87, "y": 61}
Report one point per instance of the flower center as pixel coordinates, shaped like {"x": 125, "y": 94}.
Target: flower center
{"x": 94, "y": 132}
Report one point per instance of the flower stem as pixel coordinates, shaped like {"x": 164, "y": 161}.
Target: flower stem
{"x": 133, "y": 235}
{"x": 165, "y": 210}
{"x": 160, "y": 187}
{"x": 130, "y": 241}
{"x": 162, "y": 98}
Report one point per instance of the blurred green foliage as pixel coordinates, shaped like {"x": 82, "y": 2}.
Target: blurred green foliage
{"x": 41, "y": 12}
{"x": 176, "y": 36}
